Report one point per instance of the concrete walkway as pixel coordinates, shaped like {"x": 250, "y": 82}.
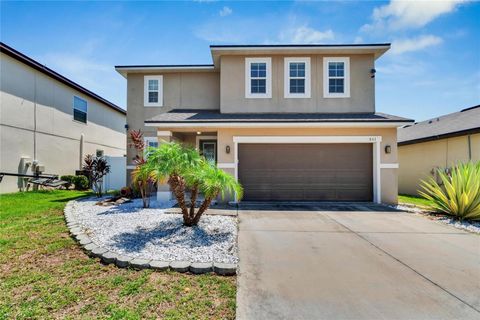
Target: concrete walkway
{"x": 361, "y": 263}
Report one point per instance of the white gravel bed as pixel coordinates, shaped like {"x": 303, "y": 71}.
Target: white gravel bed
{"x": 130, "y": 230}
{"x": 471, "y": 226}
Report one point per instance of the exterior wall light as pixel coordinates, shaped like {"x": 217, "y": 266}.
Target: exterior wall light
{"x": 372, "y": 73}
{"x": 388, "y": 149}
{"x": 199, "y": 133}
{"x": 227, "y": 149}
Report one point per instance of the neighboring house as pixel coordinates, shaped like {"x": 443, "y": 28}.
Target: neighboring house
{"x": 290, "y": 122}
{"x": 48, "y": 123}
{"x": 438, "y": 143}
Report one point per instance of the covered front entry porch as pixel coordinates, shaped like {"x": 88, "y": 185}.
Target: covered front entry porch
{"x": 206, "y": 142}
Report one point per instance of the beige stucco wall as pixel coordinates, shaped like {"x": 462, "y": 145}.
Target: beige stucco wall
{"x": 190, "y": 90}
{"x": 417, "y": 161}
{"x": 362, "y": 88}
{"x": 389, "y": 186}
{"x": 36, "y": 121}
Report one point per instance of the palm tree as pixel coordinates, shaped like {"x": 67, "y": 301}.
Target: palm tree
{"x": 170, "y": 162}
{"x": 183, "y": 167}
{"x": 212, "y": 182}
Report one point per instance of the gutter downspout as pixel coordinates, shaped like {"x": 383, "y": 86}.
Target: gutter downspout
{"x": 82, "y": 136}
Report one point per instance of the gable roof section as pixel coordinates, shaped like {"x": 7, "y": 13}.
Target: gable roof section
{"x": 17, "y": 55}
{"x": 463, "y": 122}
{"x": 188, "y": 117}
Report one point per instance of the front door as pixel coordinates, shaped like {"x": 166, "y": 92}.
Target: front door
{"x": 208, "y": 148}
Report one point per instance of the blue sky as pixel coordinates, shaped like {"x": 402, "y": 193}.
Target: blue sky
{"x": 433, "y": 67}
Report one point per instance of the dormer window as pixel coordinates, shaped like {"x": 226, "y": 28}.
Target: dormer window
{"x": 297, "y": 78}
{"x": 153, "y": 91}
{"x": 258, "y": 78}
{"x": 336, "y": 77}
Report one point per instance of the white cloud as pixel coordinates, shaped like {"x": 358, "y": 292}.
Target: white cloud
{"x": 401, "y": 14}
{"x": 225, "y": 11}
{"x": 358, "y": 39}
{"x": 305, "y": 35}
{"x": 414, "y": 44}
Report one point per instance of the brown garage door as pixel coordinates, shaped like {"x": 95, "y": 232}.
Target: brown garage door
{"x": 306, "y": 172}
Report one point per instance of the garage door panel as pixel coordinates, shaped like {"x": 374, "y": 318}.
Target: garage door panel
{"x": 310, "y": 172}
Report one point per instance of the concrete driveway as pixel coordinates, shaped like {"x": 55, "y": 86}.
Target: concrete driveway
{"x": 354, "y": 262}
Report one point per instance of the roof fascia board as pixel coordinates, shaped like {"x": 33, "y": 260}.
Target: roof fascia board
{"x": 125, "y": 70}
{"x": 363, "y": 124}
{"x": 440, "y": 136}
{"x": 303, "y": 47}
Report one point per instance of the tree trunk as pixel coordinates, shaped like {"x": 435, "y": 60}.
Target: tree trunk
{"x": 205, "y": 205}
{"x": 178, "y": 187}
{"x": 193, "y": 200}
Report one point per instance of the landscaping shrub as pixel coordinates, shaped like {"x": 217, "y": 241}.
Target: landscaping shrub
{"x": 458, "y": 194}
{"x": 80, "y": 182}
{"x": 69, "y": 179}
{"x": 143, "y": 177}
{"x": 97, "y": 167}
{"x": 126, "y": 192}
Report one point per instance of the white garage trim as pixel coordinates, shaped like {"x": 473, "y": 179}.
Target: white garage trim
{"x": 375, "y": 140}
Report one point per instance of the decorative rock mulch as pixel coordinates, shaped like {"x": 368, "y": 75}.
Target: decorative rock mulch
{"x": 471, "y": 226}
{"x": 129, "y": 236}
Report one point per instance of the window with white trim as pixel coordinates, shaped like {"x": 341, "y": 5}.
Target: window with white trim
{"x": 150, "y": 142}
{"x": 336, "y": 77}
{"x": 153, "y": 91}
{"x": 80, "y": 108}
{"x": 297, "y": 78}
{"x": 258, "y": 77}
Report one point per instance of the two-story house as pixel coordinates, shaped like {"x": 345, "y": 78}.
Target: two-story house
{"x": 290, "y": 122}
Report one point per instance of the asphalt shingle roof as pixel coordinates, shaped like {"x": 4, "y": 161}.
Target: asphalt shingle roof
{"x": 457, "y": 123}
{"x": 195, "y": 116}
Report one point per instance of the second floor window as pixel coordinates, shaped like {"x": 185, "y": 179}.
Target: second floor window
{"x": 297, "y": 78}
{"x": 258, "y": 81}
{"x": 153, "y": 95}
{"x": 80, "y": 107}
{"x": 336, "y": 77}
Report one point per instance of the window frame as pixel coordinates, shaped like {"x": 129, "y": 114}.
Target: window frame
{"x": 146, "y": 91}
{"x": 73, "y": 109}
{"x": 146, "y": 140}
{"x": 286, "y": 87}
{"x": 346, "y": 77}
{"x": 268, "y": 78}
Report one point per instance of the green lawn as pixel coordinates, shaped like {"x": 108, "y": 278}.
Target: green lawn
{"x": 44, "y": 274}
{"x": 418, "y": 201}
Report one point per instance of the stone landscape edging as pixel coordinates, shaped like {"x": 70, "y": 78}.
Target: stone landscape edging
{"x": 124, "y": 261}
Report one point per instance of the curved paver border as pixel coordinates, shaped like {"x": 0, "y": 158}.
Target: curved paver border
{"x": 123, "y": 261}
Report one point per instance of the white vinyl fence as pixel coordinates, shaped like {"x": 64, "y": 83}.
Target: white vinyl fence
{"x": 117, "y": 178}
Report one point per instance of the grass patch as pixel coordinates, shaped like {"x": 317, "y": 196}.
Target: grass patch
{"x": 45, "y": 275}
{"x": 414, "y": 200}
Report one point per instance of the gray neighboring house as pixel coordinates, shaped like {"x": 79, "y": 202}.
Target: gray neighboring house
{"x": 437, "y": 143}
{"x": 49, "y": 123}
